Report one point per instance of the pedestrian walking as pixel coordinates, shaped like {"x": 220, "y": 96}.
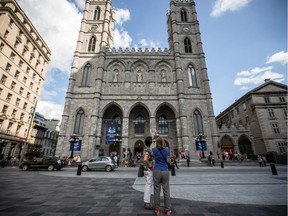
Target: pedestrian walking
{"x": 161, "y": 176}
{"x": 260, "y": 161}
{"x": 148, "y": 172}
{"x": 188, "y": 160}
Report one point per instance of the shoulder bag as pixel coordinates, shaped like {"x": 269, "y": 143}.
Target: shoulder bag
{"x": 169, "y": 166}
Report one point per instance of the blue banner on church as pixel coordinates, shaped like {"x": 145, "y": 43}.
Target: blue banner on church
{"x": 201, "y": 144}
{"x": 111, "y": 132}
{"x": 76, "y": 146}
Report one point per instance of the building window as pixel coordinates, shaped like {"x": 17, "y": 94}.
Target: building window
{"x": 11, "y": 22}
{"x": 267, "y": 100}
{"x": 21, "y": 90}
{"x": 183, "y": 15}
{"x": 18, "y": 101}
{"x": 271, "y": 113}
{"x": 25, "y": 106}
{"x": 3, "y": 79}
{"x": 97, "y": 13}
{"x": 79, "y": 122}
{"x": 9, "y": 96}
{"x": 37, "y": 90}
{"x": 285, "y": 111}
{"x": 14, "y": 112}
{"x": 12, "y": 56}
{"x": 18, "y": 130}
{"x": 6, "y": 34}
{"x": 139, "y": 125}
{"x": 34, "y": 75}
{"x": 1, "y": 91}
{"x": 31, "y": 85}
{"x": 92, "y": 44}
{"x": 27, "y": 70}
{"x": 9, "y": 128}
{"x": 5, "y": 109}
{"x": 192, "y": 76}
{"x": 187, "y": 45}
{"x": 275, "y": 128}
{"x": 198, "y": 124}
{"x": 16, "y": 75}
{"x": 282, "y": 99}
{"x": 86, "y": 75}
{"x": 8, "y": 67}
{"x": 282, "y": 146}
{"x": 1, "y": 46}
{"x": 22, "y": 116}
{"x": 24, "y": 79}
{"x": 28, "y": 95}
{"x": 20, "y": 63}
{"x": 13, "y": 84}
{"x": 163, "y": 125}
{"x": 16, "y": 44}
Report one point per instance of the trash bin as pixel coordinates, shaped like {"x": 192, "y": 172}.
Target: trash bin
{"x": 79, "y": 169}
{"x": 173, "y": 173}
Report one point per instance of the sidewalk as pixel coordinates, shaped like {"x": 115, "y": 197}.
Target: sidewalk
{"x": 63, "y": 193}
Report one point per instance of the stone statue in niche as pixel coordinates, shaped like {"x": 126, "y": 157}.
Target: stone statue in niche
{"x": 115, "y": 76}
{"x": 163, "y": 76}
{"x": 139, "y": 76}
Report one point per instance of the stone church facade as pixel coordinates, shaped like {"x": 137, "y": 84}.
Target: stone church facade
{"x": 139, "y": 90}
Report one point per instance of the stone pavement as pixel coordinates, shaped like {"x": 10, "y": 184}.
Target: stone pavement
{"x": 61, "y": 193}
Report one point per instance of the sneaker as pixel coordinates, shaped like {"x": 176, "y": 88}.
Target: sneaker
{"x": 148, "y": 206}
{"x": 157, "y": 212}
{"x": 168, "y": 212}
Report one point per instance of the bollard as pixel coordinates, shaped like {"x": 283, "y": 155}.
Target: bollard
{"x": 79, "y": 169}
{"x": 173, "y": 173}
{"x": 222, "y": 164}
{"x": 273, "y": 169}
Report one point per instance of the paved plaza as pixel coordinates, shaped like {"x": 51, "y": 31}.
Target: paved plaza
{"x": 195, "y": 191}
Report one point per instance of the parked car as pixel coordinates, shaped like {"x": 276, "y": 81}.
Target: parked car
{"x": 99, "y": 163}
{"x": 49, "y": 163}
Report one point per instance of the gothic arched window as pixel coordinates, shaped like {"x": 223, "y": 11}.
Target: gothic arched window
{"x": 86, "y": 75}
{"x": 163, "y": 125}
{"x": 97, "y": 13}
{"x": 183, "y": 15}
{"x": 139, "y": 125}
{"x": 79, "y": 122}
{"x": 92, "y": 44}
{"x": 198, "y": 125}
{"x": 192, "y": 76}
{"x": 187, "y": 45}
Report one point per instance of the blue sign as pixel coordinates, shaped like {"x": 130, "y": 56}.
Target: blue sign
{"x": 201, "y": 144}
{"x": 76, "y": 146}
{"x": 111, "y": 131}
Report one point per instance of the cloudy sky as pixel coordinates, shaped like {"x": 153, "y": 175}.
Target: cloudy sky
{"x": 245, "y": 42}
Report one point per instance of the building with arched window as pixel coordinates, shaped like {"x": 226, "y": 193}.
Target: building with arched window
{"x": 116, "y": 98}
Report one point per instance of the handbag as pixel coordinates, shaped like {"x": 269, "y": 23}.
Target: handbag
{"x": 169, "y": 165}
{"x": 140, "y": 171}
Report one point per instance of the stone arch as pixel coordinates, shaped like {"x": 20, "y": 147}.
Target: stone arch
{"x": 227, "y": 145}
{"x": 139, "y": 63}
{"x": 163, "y": 72}
{"x": 112, "y": 114}
{"x": 115, "y": 71}
{"x": 245, "y": 145}
{"x": 166, "y": 125}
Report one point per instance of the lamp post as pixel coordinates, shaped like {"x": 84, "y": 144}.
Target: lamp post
{"x": 73, "y": 140}
{"x": 32, "y": 113}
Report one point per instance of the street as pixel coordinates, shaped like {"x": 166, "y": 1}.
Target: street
{"x": 194, "y": 191}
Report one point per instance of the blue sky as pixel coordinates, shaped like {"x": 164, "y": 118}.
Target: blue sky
{"x": 245, "y": 42}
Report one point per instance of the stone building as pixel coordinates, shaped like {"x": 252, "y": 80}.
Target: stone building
{"x": 24, "y": 57}
{"x": 137, "y": 91}
{"x": 257, "y": 122}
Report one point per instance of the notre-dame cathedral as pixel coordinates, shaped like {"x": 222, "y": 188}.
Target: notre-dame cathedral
{"x": 137, "y": 91}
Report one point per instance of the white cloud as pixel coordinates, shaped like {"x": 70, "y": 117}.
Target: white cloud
{"x": 121, "y": 16}
{"x": 148, "y": 43}
{"x": 121, "y": 38}
{"x": 281, "y": 57}
{"x": 58, "y": 22}
{"x": 256, "y": 76}
{"x": 222, "y": 6}
{"x": 50, "y": 109}
{"x": 48, "y": 95}
{"x": 80, "y": 4}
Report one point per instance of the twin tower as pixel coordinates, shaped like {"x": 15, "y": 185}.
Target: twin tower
{"x": 137, "y": 91}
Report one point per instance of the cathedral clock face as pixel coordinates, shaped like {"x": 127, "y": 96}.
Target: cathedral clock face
{"x": 185, "y": 29}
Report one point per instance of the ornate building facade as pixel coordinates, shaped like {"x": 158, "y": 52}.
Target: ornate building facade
{"x": 138, "y": 90}
{"x": 24, "y": 57}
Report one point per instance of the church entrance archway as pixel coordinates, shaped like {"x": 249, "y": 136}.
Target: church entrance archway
{"x": 227, "y": 148}
{"x": 245, "y": 146}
